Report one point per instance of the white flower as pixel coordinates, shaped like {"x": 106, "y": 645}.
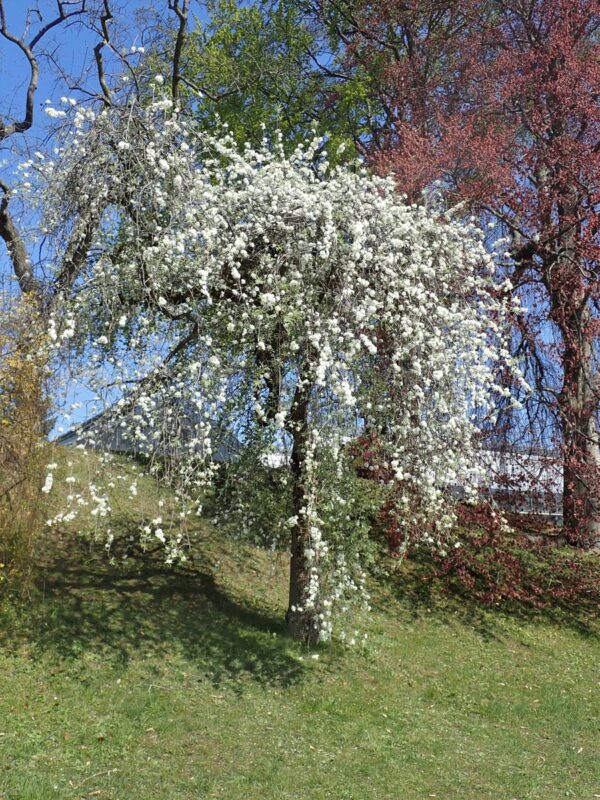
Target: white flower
{"x": 268, "y": 299}
{"x": 280, "y": 419}
{"x": 55, "y": 113}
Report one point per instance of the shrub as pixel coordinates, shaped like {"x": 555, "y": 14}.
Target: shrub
{"x": 23, "y": 447}
{"x": 497, "y": 566}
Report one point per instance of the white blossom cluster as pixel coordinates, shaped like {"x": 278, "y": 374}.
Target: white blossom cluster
{"x": 271, "y": 299}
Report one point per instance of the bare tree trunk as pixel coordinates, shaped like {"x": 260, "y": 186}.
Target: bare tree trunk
{"x": 302, "y": 622}
{"x": 581, "y": 471}
{"x": 581, "y": 441}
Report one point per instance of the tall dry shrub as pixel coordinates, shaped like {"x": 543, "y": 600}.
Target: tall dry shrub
{"x": 23, "y": 443}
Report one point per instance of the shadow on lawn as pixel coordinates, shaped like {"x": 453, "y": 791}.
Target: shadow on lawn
{"x": 90, "y": 608}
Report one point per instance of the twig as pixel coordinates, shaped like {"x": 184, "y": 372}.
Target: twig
{"x": 96, "y": 775}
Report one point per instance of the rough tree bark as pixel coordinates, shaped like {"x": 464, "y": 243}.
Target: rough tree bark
{"x": 581, "y": 438}
{"x": 302, "y": 623}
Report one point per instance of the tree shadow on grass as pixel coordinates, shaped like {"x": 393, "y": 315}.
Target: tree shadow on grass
{"x": 422, "y": 592}
{"x": 91, "y": 609}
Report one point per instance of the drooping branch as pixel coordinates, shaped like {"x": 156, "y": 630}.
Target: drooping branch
{"x": 76, "y": 254}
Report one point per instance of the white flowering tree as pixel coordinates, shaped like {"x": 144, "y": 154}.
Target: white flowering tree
{"x": 273, "y": 301}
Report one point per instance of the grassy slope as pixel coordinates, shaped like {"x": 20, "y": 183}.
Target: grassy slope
{"x": 144, "y": 683}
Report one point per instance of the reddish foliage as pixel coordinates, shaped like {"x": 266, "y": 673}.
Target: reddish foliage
{"x": 370, "y": 463}
{"x": 394, "y": 532}
{"x": 367, "y": 453}
{"x": 498, "y": 568}
{"x": 491, "y": 565}
{"x": 500, "y": 103}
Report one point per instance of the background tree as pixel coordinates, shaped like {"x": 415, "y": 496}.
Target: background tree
{"x": 498, "y": 102}
{"x": 36, "y": 44}
{"x": 252, "y": 67}
{"x": 260, "y": 66}
{"x": 104, "y": 72}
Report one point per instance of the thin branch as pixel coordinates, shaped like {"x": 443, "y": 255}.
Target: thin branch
{"x": 182, "y": 11}
{"x": 62, "y": 16}
{"x": 215, "y": 98}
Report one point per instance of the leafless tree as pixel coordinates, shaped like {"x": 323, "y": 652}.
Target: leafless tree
{"x": 100, "y": 19}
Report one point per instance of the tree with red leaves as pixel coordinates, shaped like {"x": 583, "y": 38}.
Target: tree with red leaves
{"x": 498, "y": 105}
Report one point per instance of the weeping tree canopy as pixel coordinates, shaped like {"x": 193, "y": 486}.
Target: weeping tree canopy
{"x": 280, "y": 302}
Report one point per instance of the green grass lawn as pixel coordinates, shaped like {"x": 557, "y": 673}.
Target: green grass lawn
{"x": 144, "y": 683}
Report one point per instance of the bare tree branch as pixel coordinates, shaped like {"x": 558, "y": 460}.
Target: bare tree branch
{"x": 19, "y": 126}
{"x": 200, "y": 90}
{"x": 15, "y": 246}
{"x": 182, "y": 10}
{"x": 105, "y": 18}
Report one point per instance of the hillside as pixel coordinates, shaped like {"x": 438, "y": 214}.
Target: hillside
{"x": 140, "y": 681}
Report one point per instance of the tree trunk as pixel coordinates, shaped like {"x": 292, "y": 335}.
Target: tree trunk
{"x": 581, "y": 442}
{"x": 302, "y": 622}
{"x": 581, "y": 473}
